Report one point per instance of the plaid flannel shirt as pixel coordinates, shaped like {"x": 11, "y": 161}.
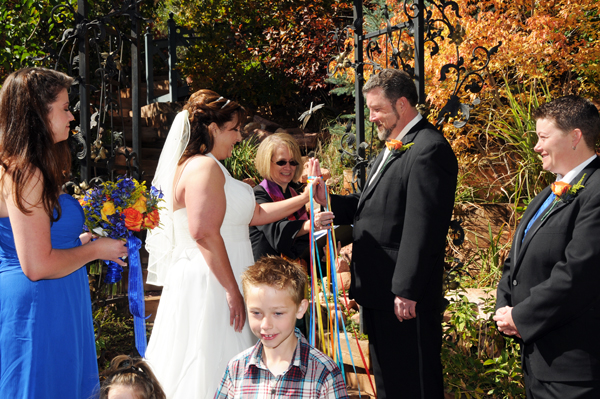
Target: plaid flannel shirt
{"x": 311, "y": 375}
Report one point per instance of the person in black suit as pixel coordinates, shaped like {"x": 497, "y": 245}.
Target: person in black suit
{"x": 401, "y": 220}
{"x": 548, "y": 297}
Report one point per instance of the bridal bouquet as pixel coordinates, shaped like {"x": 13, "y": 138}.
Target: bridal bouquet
{"x": 116, "y": 210}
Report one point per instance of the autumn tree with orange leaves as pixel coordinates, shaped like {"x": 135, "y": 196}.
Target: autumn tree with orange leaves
{"x": 549, "y": 49}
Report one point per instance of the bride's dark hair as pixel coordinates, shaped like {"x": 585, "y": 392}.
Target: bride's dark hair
{"x": 206, "y": 107}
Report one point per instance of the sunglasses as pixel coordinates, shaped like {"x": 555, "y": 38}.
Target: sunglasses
{"x": 283, "y": 163}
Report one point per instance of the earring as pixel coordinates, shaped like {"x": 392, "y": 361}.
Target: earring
{"x": 573, "y": 148}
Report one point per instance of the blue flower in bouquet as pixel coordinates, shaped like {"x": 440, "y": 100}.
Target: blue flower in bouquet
{"x": 156, "y": 193}
{"x": 117, "y": 226}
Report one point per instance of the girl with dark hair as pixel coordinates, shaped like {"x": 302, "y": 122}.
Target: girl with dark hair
{"x": 47, "y": 347}
{"x": 202, "y": 247}
{"x": 130, "y": 378}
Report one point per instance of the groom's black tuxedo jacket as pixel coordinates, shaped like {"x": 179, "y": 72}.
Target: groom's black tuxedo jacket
{"x": 552, "y": 278}
{"x": 401, "y": 221}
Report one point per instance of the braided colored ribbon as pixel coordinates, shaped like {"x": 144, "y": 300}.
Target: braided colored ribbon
{"x": 333, "y": 348}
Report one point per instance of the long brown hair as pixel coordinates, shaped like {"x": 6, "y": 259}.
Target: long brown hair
{"x": 206, "y": 107}
{"x": 26, "y": 140}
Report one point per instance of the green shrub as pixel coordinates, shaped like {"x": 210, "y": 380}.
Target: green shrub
{"x": 114, "y": 335}
{"x": 515, "y": 130}
{"x": 478, "y": 361}
{"x": 241, "y": 162}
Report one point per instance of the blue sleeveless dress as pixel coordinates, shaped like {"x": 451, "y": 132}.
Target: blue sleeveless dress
{"x": 47, "y": 347}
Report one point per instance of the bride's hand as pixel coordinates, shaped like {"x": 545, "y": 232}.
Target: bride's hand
{"x": 315, "y": 180}
{"x": 237, "y": 310}
{"x": 314, "y": 169}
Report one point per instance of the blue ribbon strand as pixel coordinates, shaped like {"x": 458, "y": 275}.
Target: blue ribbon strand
{"x": 113, "y": 272}
{"x": 136, "y": 293}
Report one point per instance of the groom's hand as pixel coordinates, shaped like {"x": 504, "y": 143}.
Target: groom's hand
{"x": 405, "y": 309}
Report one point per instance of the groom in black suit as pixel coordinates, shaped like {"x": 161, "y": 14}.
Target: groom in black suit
{"x": 400, "y": 223}
{"x": 549, "y": 294}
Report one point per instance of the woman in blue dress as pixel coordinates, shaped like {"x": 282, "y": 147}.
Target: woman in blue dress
{"x": 46, "y": 330}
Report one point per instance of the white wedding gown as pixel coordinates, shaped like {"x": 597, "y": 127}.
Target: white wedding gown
{"x": 192, "y": 340}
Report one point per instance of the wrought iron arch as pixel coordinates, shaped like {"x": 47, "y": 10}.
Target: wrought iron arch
{"x": 425, "y": 28}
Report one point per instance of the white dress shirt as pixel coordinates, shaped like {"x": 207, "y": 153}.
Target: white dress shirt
{"x": 574, "y": 172}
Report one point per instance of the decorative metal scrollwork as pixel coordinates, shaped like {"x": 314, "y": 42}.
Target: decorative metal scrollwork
{"x": 348, "y": 149}
{"x": 344, "y": 50}
{"x": 107, "y": 43}
{"x": 457, "y": 232}
{"x": 438, "y": 17}
{"x": 435, "y": 27}
{"x": 453, "y": 107}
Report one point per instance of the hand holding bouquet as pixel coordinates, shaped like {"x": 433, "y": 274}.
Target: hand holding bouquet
{"x": 116, "y": 210}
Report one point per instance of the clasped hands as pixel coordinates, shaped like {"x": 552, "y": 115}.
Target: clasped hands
{"x": 323, "y": 220}
{"x": 505, "y": 322}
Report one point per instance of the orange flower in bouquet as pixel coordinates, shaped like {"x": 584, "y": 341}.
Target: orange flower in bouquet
{"x": 133, "y": 219}
{"x": 152, "y": 219}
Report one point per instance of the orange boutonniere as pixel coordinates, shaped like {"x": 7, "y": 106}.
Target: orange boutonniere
{"x": 560, "y": 187}
{"x": 393, "y": 144}
{"x": 564, "y": 193}
{"x": 397, "y": 145}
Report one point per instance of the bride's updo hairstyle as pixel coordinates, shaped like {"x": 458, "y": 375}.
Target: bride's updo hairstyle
{"x": 206, "y": 107}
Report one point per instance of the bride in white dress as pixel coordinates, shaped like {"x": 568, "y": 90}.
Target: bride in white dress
{"x": 201, "y": 249}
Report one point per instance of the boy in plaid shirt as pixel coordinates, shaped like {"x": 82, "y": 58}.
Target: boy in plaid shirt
{"x": 282, "y": 364}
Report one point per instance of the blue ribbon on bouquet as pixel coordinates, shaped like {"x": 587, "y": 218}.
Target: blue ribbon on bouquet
{"x": 136, "y": 293}
{"x": 113, "y": 272}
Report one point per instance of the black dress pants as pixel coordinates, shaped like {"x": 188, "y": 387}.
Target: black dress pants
{"x": 405, "y": 355}
{"x": 537, "y": 389}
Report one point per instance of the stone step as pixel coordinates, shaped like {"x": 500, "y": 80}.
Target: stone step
{"x": 352, "y": 356}
{"x": 147, "y": 134}
{"x": 359, "y": 381}
{"x": 151, "y": 154}
{"x": 126, "y": 99}
{"x": 126, "y": 121}
{"x": 151, "y": 307}
{"x": 161, "y": 83}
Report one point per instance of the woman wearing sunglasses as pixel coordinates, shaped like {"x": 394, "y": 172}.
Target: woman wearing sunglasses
{"x": 278, "y": 161}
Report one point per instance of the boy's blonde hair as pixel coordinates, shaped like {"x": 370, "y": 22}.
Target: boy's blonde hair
{"x": 278, "y": 273}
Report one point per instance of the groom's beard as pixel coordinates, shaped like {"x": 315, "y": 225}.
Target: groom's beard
{"x": 384, "y": 133}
